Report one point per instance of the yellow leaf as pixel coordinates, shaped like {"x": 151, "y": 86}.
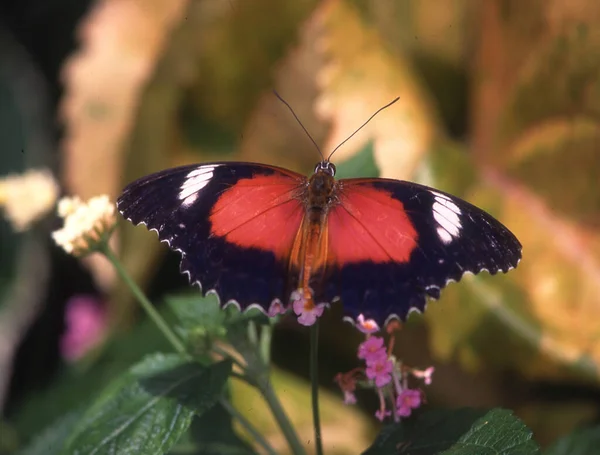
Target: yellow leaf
{"x": 360, "y": 76}
{"x": 120, "y": 44}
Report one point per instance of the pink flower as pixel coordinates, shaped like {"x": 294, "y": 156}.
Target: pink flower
{"x": 347, "y": 383}
{"x": 380, "y": 370}
{"x": 276, "y": 308}
{"x": 372, "y": 349}
{"x": 86, "y": 326}
{"x": 381, "y": 414}
{"x": 424, "y": 374}
{"x": 307, "y": 311}
{"x": 349, "y": 397}
{"x": 408, "y": 400}
{"x": 367, "y": 326}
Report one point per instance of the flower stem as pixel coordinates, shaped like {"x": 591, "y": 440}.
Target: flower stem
{"x": 259, "y": 438}
{"x": 148, "y": 307}
{"x": 281, "y": 417}
{"x": 314, "y": 379}
{"x": 265, "y": 343}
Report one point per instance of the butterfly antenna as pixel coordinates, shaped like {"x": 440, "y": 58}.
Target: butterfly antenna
{"x": 362, "y": 126}
{"x": 299, "y": 122}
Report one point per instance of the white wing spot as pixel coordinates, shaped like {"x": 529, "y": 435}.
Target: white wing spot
{"x": 190, "y": 199}
{"x": 194, "y": 182}
{"x": 447, "y": 202}
{"x": 444, "y": 235}
{"x": 447, "y": 214}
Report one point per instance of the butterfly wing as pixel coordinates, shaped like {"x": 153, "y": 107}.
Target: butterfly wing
{"x": 233, "y": 223}
{"x": 394, "y": 243}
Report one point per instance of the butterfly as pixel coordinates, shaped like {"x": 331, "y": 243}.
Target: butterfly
{"x": 267, "y": 237}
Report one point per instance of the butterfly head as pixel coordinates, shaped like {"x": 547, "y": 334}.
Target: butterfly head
{"x": 326, "y": 167}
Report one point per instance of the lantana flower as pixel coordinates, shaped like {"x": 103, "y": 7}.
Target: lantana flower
{"x": 372, "y": 349}
{"x": 407, "y": 400}
{"x": 306, "y": 309}
{"x": 87, "y": 224}
{"x": 26, "y": 198}
{"x": 380, "y": 370}
{"x": 384, "y": 373}
{"x": 367, "y": 326}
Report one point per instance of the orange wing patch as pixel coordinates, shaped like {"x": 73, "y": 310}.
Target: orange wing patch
{"x": 261, "y": 212}
{"x": 369, "y": 225}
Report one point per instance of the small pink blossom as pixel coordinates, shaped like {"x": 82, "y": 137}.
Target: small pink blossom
{"x": 86, "y": 325}
{"x": 367, "y": 326}
{"x": 380, "y": 370}
{"x": 408, "y": 400}
{"x": 276, "y": 308}
{"x": 349, "y": 397}
{"x": 347, "y": 382}
{"x": 381, "y": 414}
{"x": 424, "y": 374}
{"x": 372, "y": 349}
{"x": 307, "y": 311}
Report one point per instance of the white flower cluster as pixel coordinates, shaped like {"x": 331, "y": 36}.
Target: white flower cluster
{"x": 86, "y": 223}
{"x": 25, "y": 198}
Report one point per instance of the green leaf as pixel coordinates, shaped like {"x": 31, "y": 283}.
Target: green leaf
{"x": 362, "y": 164}
{"x": 584, "y": 441}
{"x": 74, "y": 387}
{"x": 194, "y": 311}
{"x": 52, "y": 440}
{"x": 147, "y": 409}
{"x": 458, "y": 432}
{"x": 213, "y": 434}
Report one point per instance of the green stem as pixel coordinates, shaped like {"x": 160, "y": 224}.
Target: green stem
{"x": 287, "y": 429}
{"x": 252, "y": 333}
{"x": 314, "y": 379}
{"x": 248, "y": 427}
{"x": 265, "y": 343}
{"x": 148, "y": 307}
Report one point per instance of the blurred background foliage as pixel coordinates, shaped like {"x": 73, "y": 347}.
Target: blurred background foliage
{"x": 499, "y": 104}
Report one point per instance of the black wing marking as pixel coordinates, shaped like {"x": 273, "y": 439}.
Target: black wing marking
{"x": 455, "y": 238}
{"x": 177, "y": 202}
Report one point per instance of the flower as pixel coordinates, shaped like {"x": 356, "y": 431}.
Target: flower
{"x": 349, "y": 397}
{"x": 367, "y": 326}
{"x": 424, "y": 374}
{"x": 305, "y": 308}
{"x": 347, "y": 382}
{"x": 86, "y": 326}
{"x": 408, "y": 400}
{"x": 380, "y": 370}
{"x": 28, "y": 197}
{"x": 381, "y": 414}
{"x": 387, "y": 375}
{"x": 86, "y": 224}
{"x": 276, "y": 308}
{"x": 372, "y": 349}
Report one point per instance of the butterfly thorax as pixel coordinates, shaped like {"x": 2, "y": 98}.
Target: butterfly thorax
{"x": 309, "y": 254}
{"x": 321, "y": 188}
